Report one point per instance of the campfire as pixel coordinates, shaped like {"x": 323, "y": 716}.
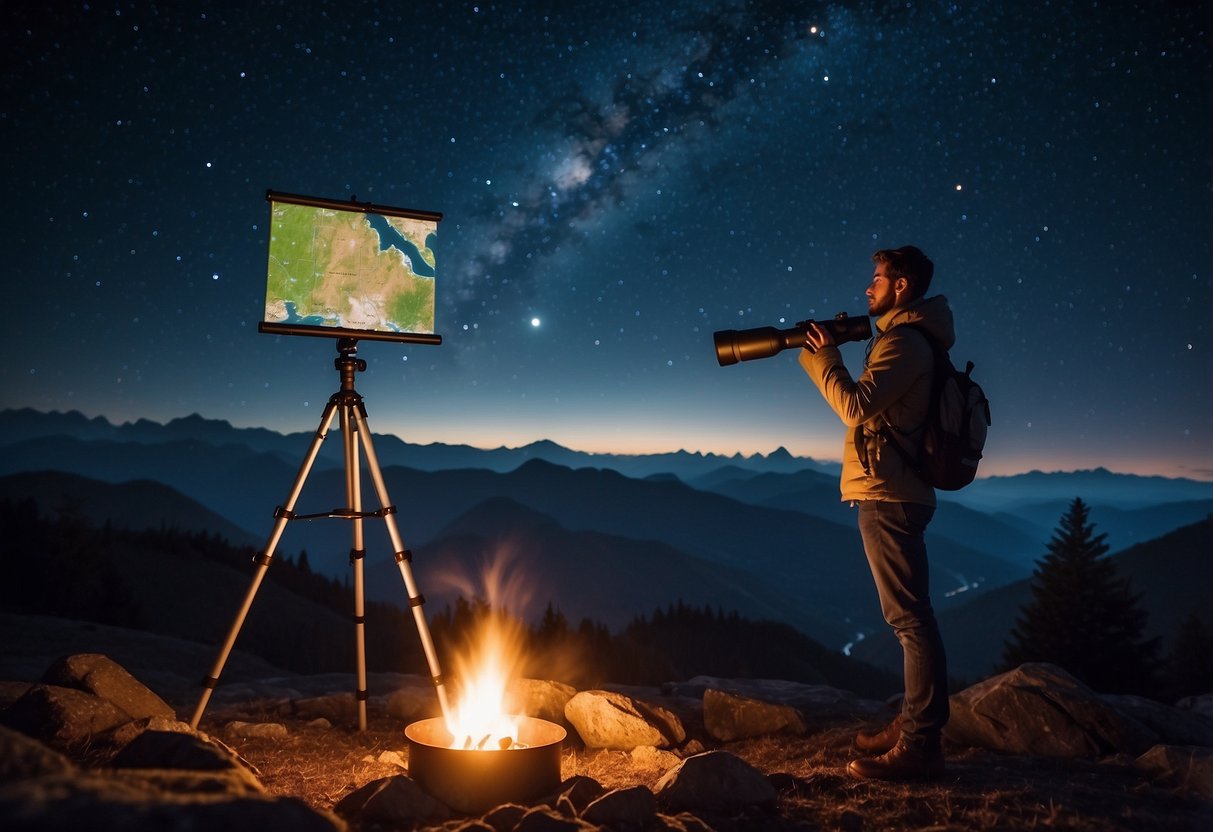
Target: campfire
{"x": 478, "y": 755}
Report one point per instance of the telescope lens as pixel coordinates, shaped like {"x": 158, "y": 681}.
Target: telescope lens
{"x": 734, "y": 345}
{"x": 726, "y": 347}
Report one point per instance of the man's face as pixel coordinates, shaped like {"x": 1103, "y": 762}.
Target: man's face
{"x": 882, "y": 295}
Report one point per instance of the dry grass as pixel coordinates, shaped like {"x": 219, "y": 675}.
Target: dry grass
{"x": 981, "y": 791}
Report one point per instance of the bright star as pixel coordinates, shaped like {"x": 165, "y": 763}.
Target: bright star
{"x": 535, "y": 322}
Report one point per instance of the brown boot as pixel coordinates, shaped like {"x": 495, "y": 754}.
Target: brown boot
{"x": 878, "y": 742}
{"x": 903, "y": 762}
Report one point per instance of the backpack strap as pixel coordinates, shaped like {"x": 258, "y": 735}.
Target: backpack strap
{"x": 938, "y": 378}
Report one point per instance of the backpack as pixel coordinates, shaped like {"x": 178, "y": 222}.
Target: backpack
{"x": 954, "y": 434}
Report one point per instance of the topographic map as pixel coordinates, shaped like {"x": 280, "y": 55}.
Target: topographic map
{"x": 349, "y": 269}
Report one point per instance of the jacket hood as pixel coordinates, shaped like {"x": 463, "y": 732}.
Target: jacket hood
{"x": 932, "y": 314}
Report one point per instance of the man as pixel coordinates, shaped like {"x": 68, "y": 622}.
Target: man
{"x": 888, "y": 403}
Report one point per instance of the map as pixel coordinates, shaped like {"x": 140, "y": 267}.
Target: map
{"x": 350, "y": 269}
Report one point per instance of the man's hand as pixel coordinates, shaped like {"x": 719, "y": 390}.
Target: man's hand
{"x": 815, "y": 338}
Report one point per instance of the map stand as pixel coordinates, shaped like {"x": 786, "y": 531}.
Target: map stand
{"x": 354, "y": 427}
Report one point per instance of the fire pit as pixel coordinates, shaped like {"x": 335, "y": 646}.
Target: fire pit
{"x": 472, "y": 780}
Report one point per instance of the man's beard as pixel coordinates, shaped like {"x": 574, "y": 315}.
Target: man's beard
{"x": 879, "y": 306}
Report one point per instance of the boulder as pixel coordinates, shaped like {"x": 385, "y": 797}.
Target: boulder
{"x": 22, "y": 757}
{"x": 622, "y": 807}
{"x": 335, "y": 707}
{"x": 101, "y": 676}
{"x": 121, "y": 801}
{"x": 171, "y": 750}
{"x": 820, "y": 703}
{"x": 1041, "y": 710}
{"x": 605, "y": 719}
{"x": 504, "y": 817}
{"x": 391, "y": 801}
{"x": 683, "y": 822}
{"x": 578, "y": 791}
{"x": 716, "y": 782}
{"x": 1174, "y": 726}
{"x": 539, "y": 698}
{"x": 126, "y": 732}
{"x": 64, "y": 718}
{"x": 543, "y": 819}
{"x": 648, "y": 757}
{"x": 10, "y": 692}
{"x": 256, "y": 730}
{"x": 1200, "y": 704}
{"x": 1187, "y": 768}
{"x": 412, "y": 703}
{"x": 727, "y": 717}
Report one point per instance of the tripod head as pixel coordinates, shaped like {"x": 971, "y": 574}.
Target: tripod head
{"x": 347, "y": 365}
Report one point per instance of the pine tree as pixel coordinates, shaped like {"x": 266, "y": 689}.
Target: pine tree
{"x": 1083, "y": 616}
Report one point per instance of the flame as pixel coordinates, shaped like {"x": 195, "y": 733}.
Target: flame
{"x": 478, "y": 718}
{"x": 491, "y": 653}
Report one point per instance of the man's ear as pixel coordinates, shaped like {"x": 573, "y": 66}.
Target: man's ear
{"x": 901, "y": 285}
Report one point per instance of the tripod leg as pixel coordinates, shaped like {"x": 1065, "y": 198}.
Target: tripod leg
{"x": 283, "y": 516}
{"x": 403, "y": 558}
{"x": 353, "y": 493}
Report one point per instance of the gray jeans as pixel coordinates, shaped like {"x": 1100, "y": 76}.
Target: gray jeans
{"x": 897, "y": 554}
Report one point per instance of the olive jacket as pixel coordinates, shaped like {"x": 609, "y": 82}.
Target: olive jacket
{"x": 894, "y": 390}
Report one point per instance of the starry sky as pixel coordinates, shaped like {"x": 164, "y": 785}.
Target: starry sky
{"x": 618, "y": 180}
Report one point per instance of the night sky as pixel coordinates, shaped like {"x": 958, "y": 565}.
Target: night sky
{"x": 618, "y": 181}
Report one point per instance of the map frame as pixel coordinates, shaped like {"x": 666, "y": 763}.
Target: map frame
{"x": 332, "y": 331}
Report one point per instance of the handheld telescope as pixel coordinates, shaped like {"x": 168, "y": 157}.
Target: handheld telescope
{"x": 733, "y": 345}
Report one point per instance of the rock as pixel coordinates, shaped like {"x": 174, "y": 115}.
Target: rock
{"x": 611, "y": 720}
{"x": 1188, "y": 768}
{"x": 165, "y": 782}
{"x": 505, "y": 817}
{"x": 684, "y": 822}
{"x": 336, "y": 707}
{"x": 1174, "y": 726}
{"x": 580, "y": 791}
{"x": 716, "y": 782}
{"x": 1201, "y": 704}
{"x": 814, "y": 702}
{"x": 635, "y": 807}
{"x": 10, "y": 692}
{"x": 648, "y": 757}
{"x": 412, "y": 703}
{"x": 539, "y": 698}
{"x": 542, "y": 819}
{"x": 64, "y": 718}
{"x": 23, "y": 757}
{"x": 121, "y": 801}
{"x": 1040, "y": 710}
{"x": 728, "y": 717}
{"x": 473, "y": 826}
{"x": 101, "y": 676}
{"x": 256, "y": 730}
{"x": 392, "y": 758}
{"x": 125, "y": 733}
{"x": 392, "y": 801}
{"x": 166, "y": 749}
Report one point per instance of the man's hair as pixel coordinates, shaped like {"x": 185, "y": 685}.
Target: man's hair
{"x": 908, "y": 262}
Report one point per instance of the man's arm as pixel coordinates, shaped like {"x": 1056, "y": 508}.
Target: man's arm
{"x": 886, "y": 379}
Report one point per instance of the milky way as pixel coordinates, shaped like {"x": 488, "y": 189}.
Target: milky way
{"x": 617, "y": 182}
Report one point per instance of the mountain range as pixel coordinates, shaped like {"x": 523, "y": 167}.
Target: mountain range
{"x": 604, "y": 537}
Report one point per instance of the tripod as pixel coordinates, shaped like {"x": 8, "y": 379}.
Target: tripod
{"x": 348, "y": 403}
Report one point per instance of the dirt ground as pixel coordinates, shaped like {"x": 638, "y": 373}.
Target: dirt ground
{"x": 982, "y": 790}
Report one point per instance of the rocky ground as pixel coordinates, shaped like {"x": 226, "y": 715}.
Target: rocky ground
{"x": 86, "y": 745}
